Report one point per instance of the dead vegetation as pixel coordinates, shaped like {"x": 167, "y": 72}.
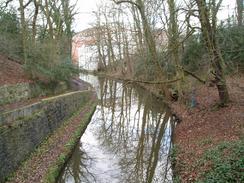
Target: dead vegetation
{"x": 206, "y": 126}
{"x": 11, "y": 72}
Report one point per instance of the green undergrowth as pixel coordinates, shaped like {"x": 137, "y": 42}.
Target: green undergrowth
{"x": 175, "y": 150}
{"x": 225, "y": 162}
{"x": 54, "y": 170}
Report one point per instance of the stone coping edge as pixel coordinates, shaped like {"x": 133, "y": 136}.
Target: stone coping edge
{"x": 55, "y": 170}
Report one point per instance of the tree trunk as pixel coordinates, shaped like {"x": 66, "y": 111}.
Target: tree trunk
{"x": 23, "y": 29}
{"x": 239, "y": 4}
{"x": 149, "y": 38}
{"x": 213, "y": 50}
{"x": 36, "y": 3}
{"x": 67, "y": 13}
{"x": 148, "y": 35}
{"x": 174, "y": 43}
{"x": 137, "y": 27}
{"x": 49, "y": 22}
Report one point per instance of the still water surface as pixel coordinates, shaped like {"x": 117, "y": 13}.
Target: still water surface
{"x": 127, "y": 141}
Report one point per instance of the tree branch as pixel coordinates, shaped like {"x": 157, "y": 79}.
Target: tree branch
{"x": 7, "y": 2}
{"x": 193, "y": 75}
{"x": 27, "y": 4}
{"x": 127, "y": 1}
{"x": 152, "y": 82}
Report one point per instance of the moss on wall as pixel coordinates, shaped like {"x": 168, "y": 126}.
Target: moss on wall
{"x": 19, "y": 138}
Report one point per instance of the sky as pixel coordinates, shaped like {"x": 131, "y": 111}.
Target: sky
{"x": 85, "y": 16}
{"x": 85, "y": 9}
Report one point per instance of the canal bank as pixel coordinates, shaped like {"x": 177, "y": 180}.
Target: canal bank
{"x": 45, "y": 162}
{"x": 208, "y": 141}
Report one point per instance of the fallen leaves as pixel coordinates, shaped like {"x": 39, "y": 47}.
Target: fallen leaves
{"x": 206, "y": 122}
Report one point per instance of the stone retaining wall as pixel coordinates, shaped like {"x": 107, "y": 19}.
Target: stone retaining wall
{"x": 17, "y": 114}
{"x": 18, "y": 138}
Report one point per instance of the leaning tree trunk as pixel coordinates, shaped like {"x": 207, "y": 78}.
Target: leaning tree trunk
{"x": 149, "y": 38}
{"x": 36, "y": 4}
{"x": 174, "y": 43}
{"x": 209, "y": 37}
{"x": 240, "y": 8}
{"x": 23, "y": 30}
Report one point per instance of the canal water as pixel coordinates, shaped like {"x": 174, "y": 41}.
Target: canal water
{"x": 127, "y": 141}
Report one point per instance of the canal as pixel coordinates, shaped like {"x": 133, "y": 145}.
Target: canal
{"x": 127, "y": 141}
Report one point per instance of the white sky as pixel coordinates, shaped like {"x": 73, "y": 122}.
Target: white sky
{"x": 85, "y": 8}
{"x": 85, "y": 17}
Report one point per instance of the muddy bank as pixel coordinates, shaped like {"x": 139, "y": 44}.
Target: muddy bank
{"x": 205, "y": 127}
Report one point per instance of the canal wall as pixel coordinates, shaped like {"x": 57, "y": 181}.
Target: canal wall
{"x": 22, "y": 130}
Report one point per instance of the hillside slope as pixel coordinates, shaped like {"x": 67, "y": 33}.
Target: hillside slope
{"x": 11, "y": 72}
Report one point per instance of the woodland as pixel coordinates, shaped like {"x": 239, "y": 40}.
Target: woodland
{"x": 182, "y": 49}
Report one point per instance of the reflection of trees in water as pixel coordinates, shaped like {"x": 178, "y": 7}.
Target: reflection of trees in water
{"x": 134, "y": 126}
{"x": 77, "y": 168}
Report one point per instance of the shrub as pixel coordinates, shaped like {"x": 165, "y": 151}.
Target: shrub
{"x": 45, "y": 63}
{"x": 194, "y": 51}
{"x": 226, "y": 163}
{"x": 9, "y": 34}
{"x": 231, "y": 41}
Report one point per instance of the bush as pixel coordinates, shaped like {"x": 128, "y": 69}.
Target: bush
{"x": 194, "y": 51}
{"x": 231, "y": 41}
{"x": 47, "y": 59}
{"x": 144, "y": 66}
{"x": 45, "y": 63}
{"x": 9, "y": 22}
{"x": 9, "y": 34}
{"x": 226, "y": 163}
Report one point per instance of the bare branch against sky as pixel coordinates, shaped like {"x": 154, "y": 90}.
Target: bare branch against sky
{"x": 85, "y": 9}
{"x": 86, "y": 17}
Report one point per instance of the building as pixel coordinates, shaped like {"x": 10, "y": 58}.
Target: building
{"x": 84, "y": 49}
{"x": 85, "y": 52}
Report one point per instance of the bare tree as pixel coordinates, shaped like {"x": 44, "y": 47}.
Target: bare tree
{"x": 23, "y": 28}
{"x": 148, "y": 34}
{"x": 37, "y": 7}
{"x": 239, "y": 4}
{"x": 209, "y": 35}
{"x": 99, "y": 36}
{"x": 174, "y": 41}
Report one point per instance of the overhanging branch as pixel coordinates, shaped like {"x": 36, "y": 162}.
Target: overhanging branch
{"x": 152, "y": 82}
{"x": 193, "y": 75}
{"x": 27, "y": 4}
{"x": 127, "y": 1}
